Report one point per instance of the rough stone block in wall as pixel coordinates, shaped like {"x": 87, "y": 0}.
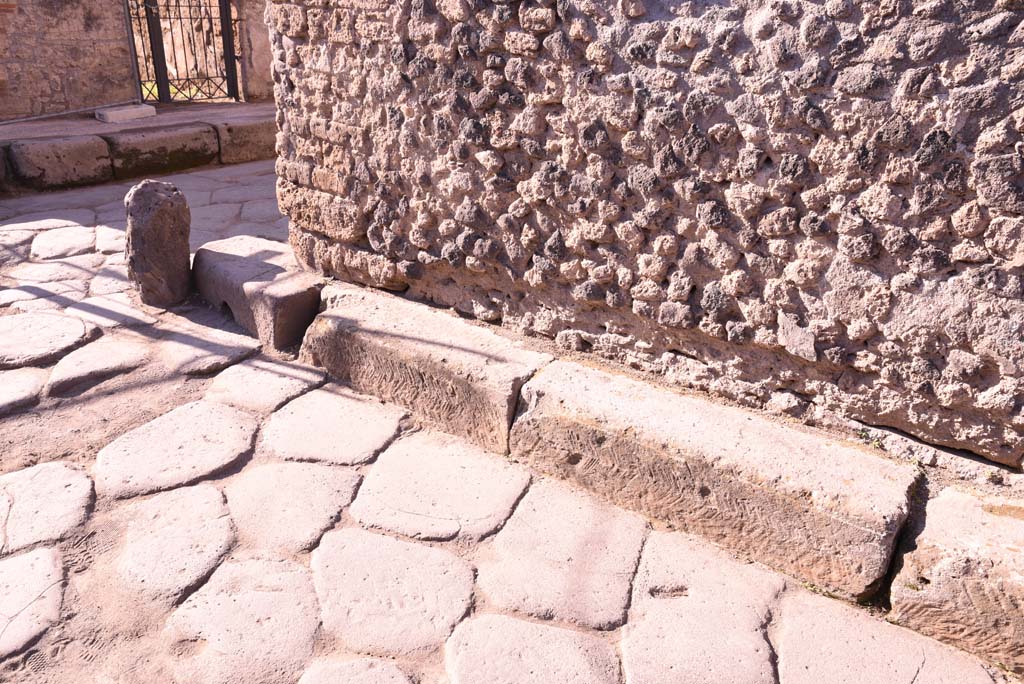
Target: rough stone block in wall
{"x": 785, "y": 202}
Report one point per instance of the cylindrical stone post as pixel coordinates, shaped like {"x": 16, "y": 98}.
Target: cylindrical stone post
{"x": 156, "y": 248}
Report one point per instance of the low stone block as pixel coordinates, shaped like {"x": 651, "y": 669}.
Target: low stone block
{"x": 61, "y": 162}
{"x": 463, "y": 378}
{"x": 161, "y": 150}
{"x": 823, "y": 510}
{"x": 963, "y": 583}
{"x": 246, "y": 141}
{"x": 260, "y": 283}
{"x": 125, "y": 113}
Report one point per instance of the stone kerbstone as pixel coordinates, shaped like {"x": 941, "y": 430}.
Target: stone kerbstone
{"x": 503, "y": 650}
{"x": 821, "y": 640}
{"x": 111, "y": 311}
{"x": 563, "y": 555}
{"x": 20, "y": 388}
{"x": 262, "y": 385}
{"x": 31, "y": 593}
{"x": 41, "y": 504}
{"x": 61, "y": 162}
{"x": 460, "y": 377}
{"x": 358, "y": 671}
{"x": 288, "y": 506}
{"x": 156, "y": 242}
{"x": 94, "y": 363}
{"x": 173, "y": 541}
{"x": 63, "y": 242}
{"x": 383, "y": 596}
{"x": 963, "y": 582}
{"x": 178, "y": 448}
{"x": 823, "y": 510}
{"x": 434, "y": 486}
{"x": 140, "y": 152}
{"x": 246, "y": 141}
{"x": 685, "y": 591}
{"x": 260, "y": 283}
{"x": 254, "y": 621}
{"x": 331, "y": 425}
{"x": 36, "y": 338}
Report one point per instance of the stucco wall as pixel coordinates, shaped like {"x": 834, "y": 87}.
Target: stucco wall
{"x": 798, "y": 205}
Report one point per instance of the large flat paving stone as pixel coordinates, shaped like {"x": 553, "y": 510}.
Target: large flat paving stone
{"x": 286, "y": 507}
{"x": 101, "y": 360}
{"x": 963, "y": 582}
{"x": 818, "y": 508}
{"x": 20, "y": 388}
{"x": 821, "y": 640}
{"x": 254, "y": 621}
{"x": 262, "y": 385}
{"x": 47, "y": 220}
{"x": 459, "y": 377}
{"x": 563, "y": 555}
{"x": 173, "y": 541}
{"x": 63, "y": 242}
{"x": 383, "y": 596}
{"x": 434, "y": 486}
{"x": 61, "y": 292}
{"x": 36, "y": 338}
{"x": 357, "y": 671}
{"x": 331, "y": 425}
{"x": 191, "y": 349}
{"x": 31, "y": 593}
{"x": 697, "y": 615}
{"x": 178, "y": 448}
{"x": 502, "y": 650}
{"x": 42, "y": 503}
{"x": 111, "y": 311}
{"x": 81, "y": 267}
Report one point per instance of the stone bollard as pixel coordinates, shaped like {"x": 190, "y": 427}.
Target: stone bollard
{"x": 156, "y": 248}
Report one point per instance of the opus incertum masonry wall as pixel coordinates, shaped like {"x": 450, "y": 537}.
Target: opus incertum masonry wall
{"x": 778, "y": 201}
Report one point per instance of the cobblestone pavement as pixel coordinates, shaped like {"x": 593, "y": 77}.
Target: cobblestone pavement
{"x": 191, "y": 511}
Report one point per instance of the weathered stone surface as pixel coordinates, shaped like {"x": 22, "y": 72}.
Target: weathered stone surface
{"x": 110, "y": 239}
{"x": 404, "y": 352}
{"x": 263, "y": 384}
{"x": 821, "y": 640}
{"x": 31, "y": 593}
{"x": 254, "y": 621}
{"x": 388, "y": 597}
{"x": 96, "y": 362}
{"x": 173, "y": 541}
{"x": 110, "y": 311}
{"x": 112, "y": 278}
{"x": 698, "y": 615}
{"x": 41, "y": 504}
{"x": 503, "y": 650}
{"x": 125, "y": 113}
{"x": 63, "y": 242}
{"x": 80, "y": 267}
{"x": 331, "y": 425}
{"x": 178, "y": 448}
{"x": 260, "y": 283}
{"x": 52, "y": 163}
{"x": 53, "y": 218}
{"x": 246, "y": 141}
{"x": 61, "y": 292}
{"x": 157, "y": 242}
{"x": 821, "y": 509}
{"x": 563, "y": 555}
{"x": 359, "y": 671}
{"x": 20, "y": 388}
{"x": 194, "y": 349}
{"x": 433, "y": 486}
{"x": 286, "y": 507}
{"x": 15, "y": 246}
{"x": 963, "y": 582}
{"x": 161, "y": 150}
{"x": 36, "y": 338}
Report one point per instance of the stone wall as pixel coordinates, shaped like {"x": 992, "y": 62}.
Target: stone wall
{"x": 809, "y": 206}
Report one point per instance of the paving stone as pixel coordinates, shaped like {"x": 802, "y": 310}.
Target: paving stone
{"x": 173, "y": 541}
{"x": 331, "y": 425}
{"x": 821, "y": 640}
{"x": 111, "y": 278}
{"x": 263, "y": 384}
{"x": 259, "y": 281}
{"x": 63, "y": 242}
{"x": 685, "y": 591}
{"x": 254, "y": 621}
{"x": 434, "y": 486}
{"x": 110, "y": 239}
{"x": 138, "y": 152}
{"x": 963, "y": 581}
{"x": 178, "y": 448}
{"x": 111, "y": 311}
{"x": 47, "y": 220}
{"x": 288, "y": 506}
{"x": 96, "y": 362}
{"x": 61, "y": 292}
{"x": 383, "y": 596}
{"x": 261, "y": 210}
{"x": 192, "y": 349}
{"x": 41, "y": 504}
{"x": 14, "y": 246}
{"x": 403, "y": 352}
{"x": 214, "y": 217}
{"x": 50, "y": 163}
{"x": 80, "y": 267}
{"x": 501, "y": 650}
{"x": 563, "y": 555}
{"x": 20, "y": 388}
{"x": 35, "y": 338}
{"x": 242, "y": 193}
{"x": 358, "y": 671}
{"x": 818, "y": 508}
{"x": 31, "y": 593}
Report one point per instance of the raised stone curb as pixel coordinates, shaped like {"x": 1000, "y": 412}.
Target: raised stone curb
{"x": 822, "y": 510}
{"x": 246, "y": 141}
{"x": 61, "y": 162}
{"x": 462, "y": 378}
{"x": 139, "y": 152}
